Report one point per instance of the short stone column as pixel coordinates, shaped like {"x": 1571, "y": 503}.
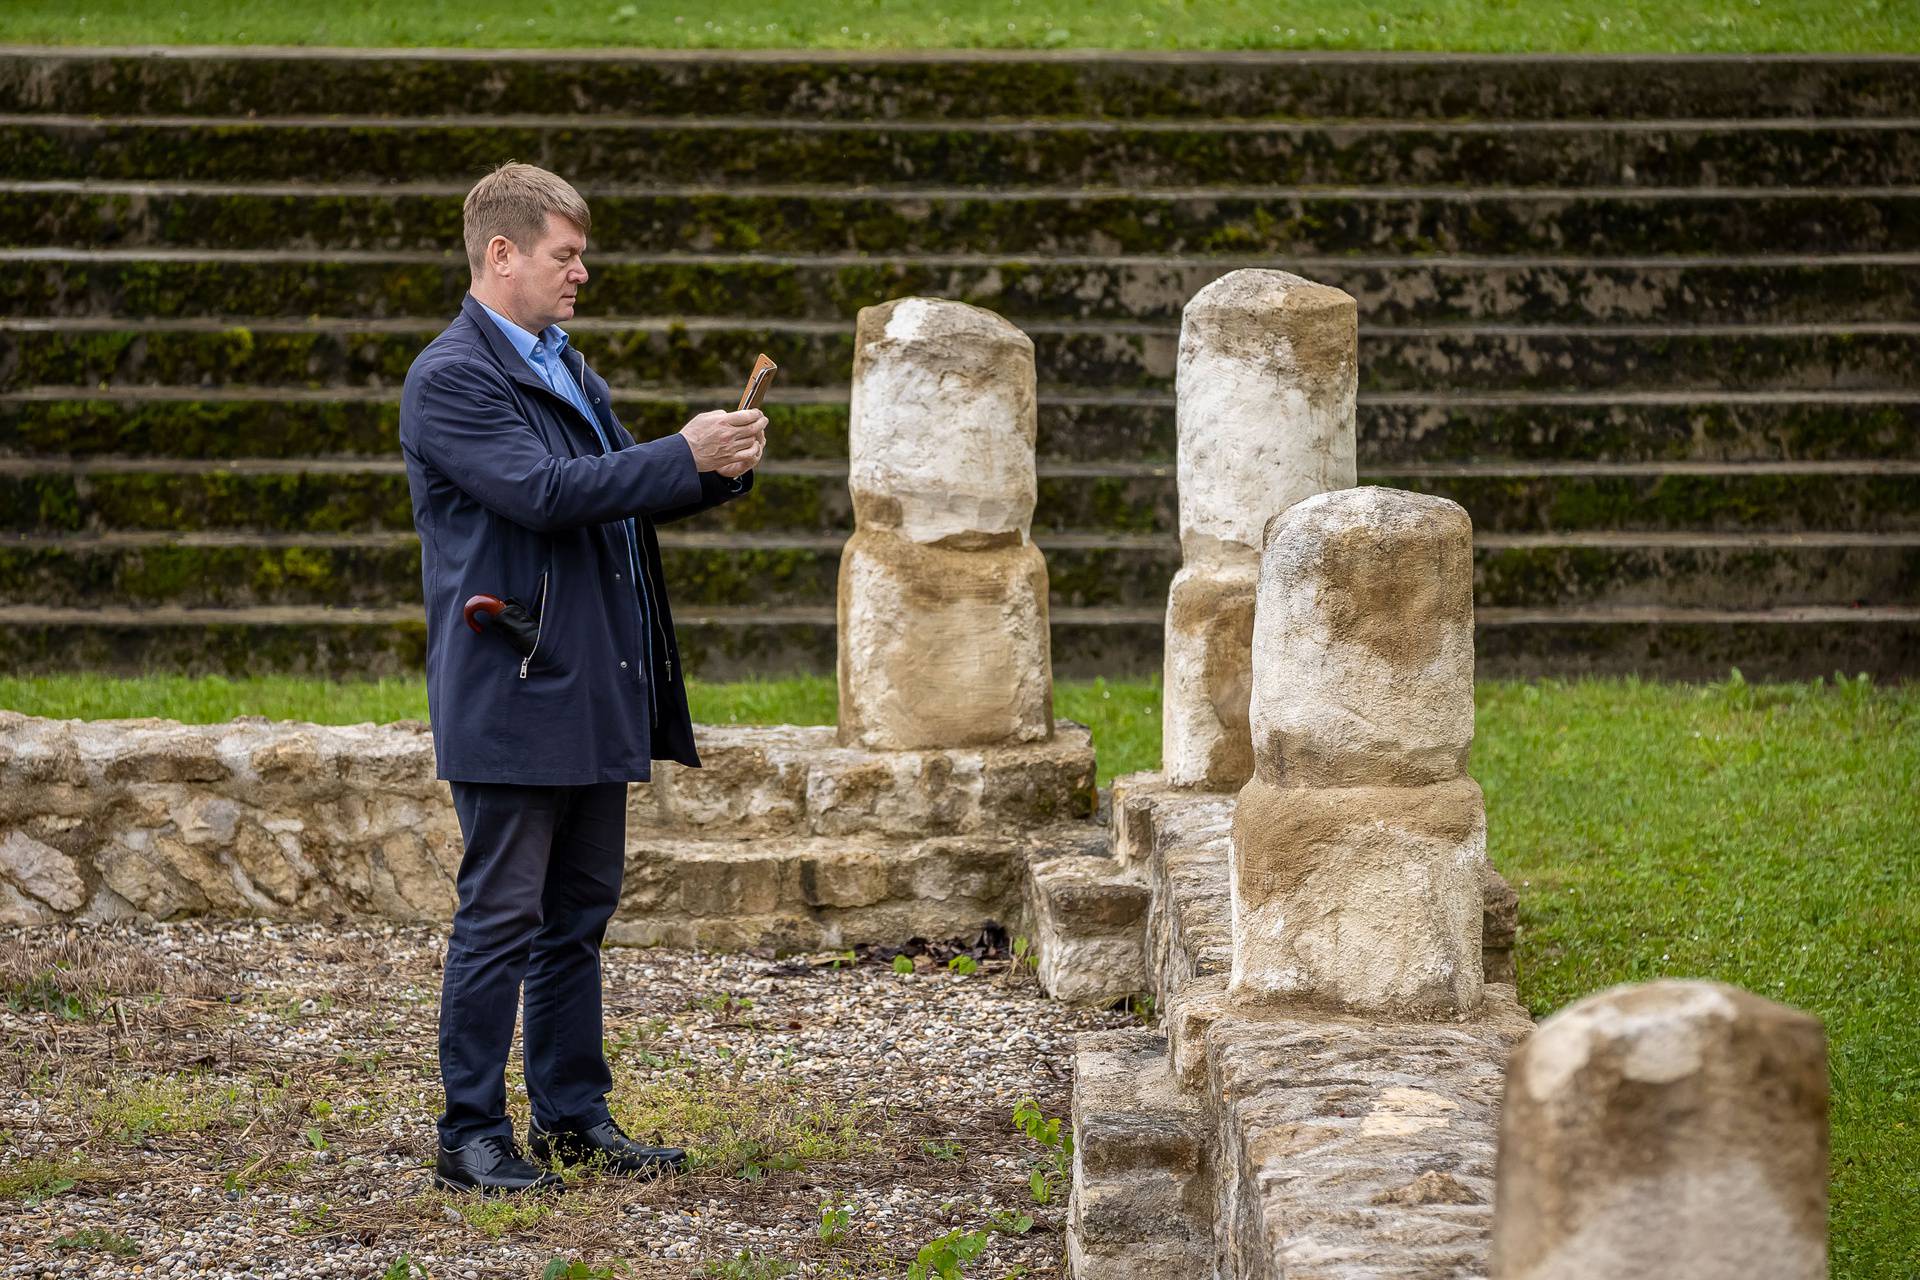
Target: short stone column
{"x": 1667, "y": 1129}
{"x": 943, "y": 596}
{"x": 1359, "y": 845}
{"x": 1265, "y": 389}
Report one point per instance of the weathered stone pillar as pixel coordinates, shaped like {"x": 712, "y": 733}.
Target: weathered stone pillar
{"x": 943, "y": 597}
{"x": 1668, "y": 1129}
{"x": 1265, "y": 384}
{"x": 1359, "y": 845}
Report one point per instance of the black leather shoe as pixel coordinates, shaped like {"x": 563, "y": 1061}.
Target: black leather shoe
{"x": 604, "y": 1143}
{"x": 491, "y": 1165}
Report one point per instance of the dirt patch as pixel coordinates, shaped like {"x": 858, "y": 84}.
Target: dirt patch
{"x": 254, "y": 1098}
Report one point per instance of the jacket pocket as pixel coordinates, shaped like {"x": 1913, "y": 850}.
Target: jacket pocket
{"x": 540, "y": 626}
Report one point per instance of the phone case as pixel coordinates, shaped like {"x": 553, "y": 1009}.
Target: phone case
{"x": 757, "y": 382}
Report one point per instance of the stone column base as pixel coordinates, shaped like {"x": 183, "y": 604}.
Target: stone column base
{"x": 1206, "y": 740}
{"x": 1365, "y": 899}
{"x": 942, "y": 647}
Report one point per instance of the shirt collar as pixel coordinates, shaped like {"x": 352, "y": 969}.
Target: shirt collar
{"x": 553, "y": 335}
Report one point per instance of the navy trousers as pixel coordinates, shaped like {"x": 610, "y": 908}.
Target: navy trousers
{"x": 538, "y": 881}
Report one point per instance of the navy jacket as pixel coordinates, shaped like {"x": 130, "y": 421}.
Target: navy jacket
{"x": 512, "y": 496}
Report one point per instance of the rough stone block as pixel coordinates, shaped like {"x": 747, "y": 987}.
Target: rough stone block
{"x": 1086, "y": 916}
{"x": 744, "y": 785}
{"x": 811, "y": 893}
{"x": 1266, "y": 378}
{"x": 1189, "y": 1012}
{"x": 942, "y": 648}
{"x": 942, "y": 424}
{"x": 1141, "y": 1204}
{"x": 1673, "y": 1128}
{"x": 17, "y": 908}
{"x": 1359, "y": 898}
{"x": 1363, "y": 647}
{"x": 42, "y": 872}
{"x": 160, "y": 751}
{"x": 1499, "y": 927}
{"x": 1131, "y": 799}
{"x": 1354, "y": 1148}
{"x": 1206, "y": 739}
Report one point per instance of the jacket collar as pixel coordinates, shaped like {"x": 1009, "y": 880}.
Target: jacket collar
{"x": 511, "y": 362}
{"x": 515, "y": 366}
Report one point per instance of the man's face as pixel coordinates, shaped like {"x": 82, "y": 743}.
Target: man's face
{"x": 545, "y": 277}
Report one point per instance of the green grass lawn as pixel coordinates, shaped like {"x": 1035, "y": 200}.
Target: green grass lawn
{"x": 1767, "y": 836}
{"x": 1483, "y": 25}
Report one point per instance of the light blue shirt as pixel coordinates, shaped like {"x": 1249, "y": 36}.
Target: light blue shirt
{"x": 542, "y": 351}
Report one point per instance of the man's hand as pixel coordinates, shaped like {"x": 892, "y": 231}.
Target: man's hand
{"x": 729, "y": 443}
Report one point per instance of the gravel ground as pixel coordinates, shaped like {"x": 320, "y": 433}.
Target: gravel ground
{"x": 250, "y": 1099}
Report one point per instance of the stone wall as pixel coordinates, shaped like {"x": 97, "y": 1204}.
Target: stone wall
{"x": 784, "y": 838}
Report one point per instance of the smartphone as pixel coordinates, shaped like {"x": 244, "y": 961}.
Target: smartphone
{"x": 757, "y": 382}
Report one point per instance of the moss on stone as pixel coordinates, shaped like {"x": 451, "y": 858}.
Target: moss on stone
{"x": 1128, "y": 158}
{"x": 1376, "y": 224}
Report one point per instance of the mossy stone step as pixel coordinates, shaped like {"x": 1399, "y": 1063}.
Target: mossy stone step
{"x": 816, "y": 85}
{"x": 963, "y": 153}
{"x": 1277, "y": 222}
{"x": 1410, "y": 291}
{"x": 1596, "y": 427}
{"x": 1124, "y": 357}
{"x": 1683, "y": 645}
{"x": 1536, "y": 573}
{"x": 1872, "y": 498}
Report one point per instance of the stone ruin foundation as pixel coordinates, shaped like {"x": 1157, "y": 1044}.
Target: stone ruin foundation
{"x": 1303, "y": 893}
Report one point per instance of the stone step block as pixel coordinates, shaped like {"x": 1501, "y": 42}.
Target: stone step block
{"x": 1776, "y": 289}
{"x": 1189, "y": 1012}
{"x": 1086, "y": 916}
{"x": 1359, "y": 1148}
{"x": 644, "y": 352}
{"x": 1131, "y": 800}
{"x": 1087, "y": 425}
{"x": 1142, "y": 1194}
{"x": 1283, "y": 222}
{"x": 1190, "y": 929}
{"x": 779, "y": 84}
{"x": 815, "y": 893}
{"x": 614, "y": 150}
{"x": 797, "y": 780}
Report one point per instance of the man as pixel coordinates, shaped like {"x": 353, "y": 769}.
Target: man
{"x": 526, "y": 487}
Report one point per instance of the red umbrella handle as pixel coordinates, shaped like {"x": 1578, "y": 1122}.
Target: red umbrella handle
{"x": 489, "y": 605}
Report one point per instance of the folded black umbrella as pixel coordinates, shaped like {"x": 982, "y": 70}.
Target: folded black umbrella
{"x": 508, "y": 617}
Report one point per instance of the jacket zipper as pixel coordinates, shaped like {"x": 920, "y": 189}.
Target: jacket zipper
{"x": 653, "y": 616}
{"x": 537, "y": 631}
{"x": 646, "y": 589}
{"x": 666, "y": 655}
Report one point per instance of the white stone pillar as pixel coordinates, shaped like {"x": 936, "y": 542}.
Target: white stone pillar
{"x": 1359, "y": 845}
{"x": 1667, "y": 1129}
{"x": 943, "y": 596}
{"x": 1265, "y": 389}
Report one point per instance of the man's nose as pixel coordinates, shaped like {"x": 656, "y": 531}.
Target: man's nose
{"x": 579, "y": 273}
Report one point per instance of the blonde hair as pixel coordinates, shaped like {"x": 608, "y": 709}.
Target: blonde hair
{"x": 514, "y": 201}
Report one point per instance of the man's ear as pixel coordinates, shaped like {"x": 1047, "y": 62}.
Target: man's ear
{"x": 500, "y": 256}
